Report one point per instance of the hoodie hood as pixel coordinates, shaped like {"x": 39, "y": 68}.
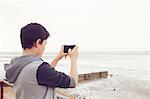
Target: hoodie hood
{"x": 16, "y": 65}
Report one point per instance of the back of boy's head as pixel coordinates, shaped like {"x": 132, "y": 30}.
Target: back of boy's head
{"x": 30, "y": 33}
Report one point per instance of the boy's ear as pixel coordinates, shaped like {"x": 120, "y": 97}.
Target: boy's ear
{"x": 38, "y": 42}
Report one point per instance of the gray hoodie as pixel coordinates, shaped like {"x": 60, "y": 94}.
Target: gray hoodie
{"x": 35, "y": 79}
{"x": 16, "y": 65}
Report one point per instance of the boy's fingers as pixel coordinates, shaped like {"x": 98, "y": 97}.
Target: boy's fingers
{"x": 62, "y": 47}
{"x": 69, "y": 50}
{"x": 75, "y": 48}
{"x": 65, "y": 56}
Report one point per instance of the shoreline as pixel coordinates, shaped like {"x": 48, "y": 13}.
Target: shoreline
{"x": 123, "y": 84}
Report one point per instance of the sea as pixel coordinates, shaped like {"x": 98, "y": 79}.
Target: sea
{"x": 130, "y": 63}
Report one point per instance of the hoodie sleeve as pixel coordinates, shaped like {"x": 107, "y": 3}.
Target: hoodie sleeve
{"x": 48, "y": 76}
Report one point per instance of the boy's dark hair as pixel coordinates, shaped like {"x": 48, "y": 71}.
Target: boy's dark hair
{"x": 30, "y": 33}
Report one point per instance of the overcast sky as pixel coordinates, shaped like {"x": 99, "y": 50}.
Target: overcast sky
{"x": 92, "y": 25}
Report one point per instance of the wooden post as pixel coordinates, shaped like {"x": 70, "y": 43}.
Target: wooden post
{"x": 3, "y": 85}
{"x": 2, "y": 90}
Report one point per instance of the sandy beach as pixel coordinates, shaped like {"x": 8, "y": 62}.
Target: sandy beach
{"x": 120, "y": 84}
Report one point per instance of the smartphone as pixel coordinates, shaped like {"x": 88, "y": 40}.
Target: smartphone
{"x": 67, "y": 47}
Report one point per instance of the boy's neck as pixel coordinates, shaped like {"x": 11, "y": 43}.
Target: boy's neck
{"x": 29, "y": 52}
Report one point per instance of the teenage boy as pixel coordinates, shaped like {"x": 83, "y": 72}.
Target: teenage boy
{"x": 32, "y": 77}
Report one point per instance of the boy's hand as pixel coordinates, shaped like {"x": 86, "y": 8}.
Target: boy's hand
{"x": 73, "y": 53}
{"x": 61, "y": 53}
{"x": 59, "y": 56}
